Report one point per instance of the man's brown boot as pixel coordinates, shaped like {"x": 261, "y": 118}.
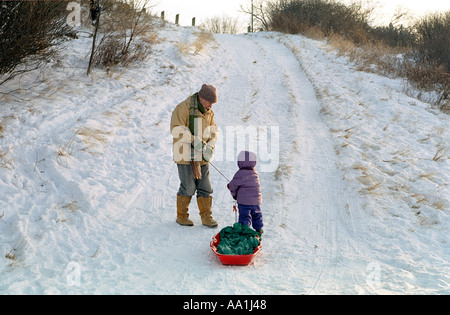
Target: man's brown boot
{"x": 182, "y": 211}
{"x": 204, "y": 205}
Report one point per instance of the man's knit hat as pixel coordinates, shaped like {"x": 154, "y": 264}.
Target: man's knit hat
{"x": 209, "y": 93}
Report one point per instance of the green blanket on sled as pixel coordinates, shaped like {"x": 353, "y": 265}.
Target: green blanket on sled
{"x": 238, "y": 239}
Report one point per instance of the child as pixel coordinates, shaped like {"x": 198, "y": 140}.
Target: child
{"x": 246, "y": 189}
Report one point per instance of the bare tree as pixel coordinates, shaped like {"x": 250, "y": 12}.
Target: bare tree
{"x": 95, "y": 10}
{"x": 261, "y": 12}
{"x": 221, "y": 25}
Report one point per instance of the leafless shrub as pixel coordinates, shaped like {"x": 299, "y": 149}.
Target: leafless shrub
{"x": 393, "y": 36}
{"x": 221, "y": 25}
{"x": 426, "y": 76}
{"x": 296, "y": 16}
{"x": 433, "y": 39}
{"x": 29, "y": 28}
{"x": 122, "y": 23}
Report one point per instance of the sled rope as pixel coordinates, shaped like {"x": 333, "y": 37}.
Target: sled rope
{"x": 220, "y": 172}
{"x": 235, "y": 203}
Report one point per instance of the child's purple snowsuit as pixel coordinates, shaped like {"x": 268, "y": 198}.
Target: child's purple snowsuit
{"x": 246, "y": 189}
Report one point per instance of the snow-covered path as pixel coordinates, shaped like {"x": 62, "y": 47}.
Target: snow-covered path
{"x": 307, "y": 217}
{"x": 91, "y": 208}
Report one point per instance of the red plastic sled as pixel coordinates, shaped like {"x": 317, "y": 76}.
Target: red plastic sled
{"x": 241, "y": 260}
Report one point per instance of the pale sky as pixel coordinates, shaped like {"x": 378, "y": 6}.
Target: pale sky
{"x": 202, "y": 9}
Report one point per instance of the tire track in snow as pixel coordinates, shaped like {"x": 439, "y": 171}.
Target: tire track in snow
{"x": 295, "y": 130}
{"x": 340, "y": 232}
{"x": 307, "y": 221}
{"x": 270, "y": 99}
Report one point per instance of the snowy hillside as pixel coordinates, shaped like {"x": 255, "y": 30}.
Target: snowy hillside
{"x": 355, "y": 174}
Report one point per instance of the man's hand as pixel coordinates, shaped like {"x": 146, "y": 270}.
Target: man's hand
{"x": 198, "y": 144}
{"x": 207, "y": 152}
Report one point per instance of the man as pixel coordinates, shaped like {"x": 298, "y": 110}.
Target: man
{"x": 194, "y": 135}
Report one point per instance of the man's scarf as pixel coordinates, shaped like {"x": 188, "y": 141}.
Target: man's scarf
{"x": 194, "y": 111}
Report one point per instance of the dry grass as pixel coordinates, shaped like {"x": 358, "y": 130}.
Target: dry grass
{"x": 380, "y": 58}
{"x": 360, "y": 167}
{"x": 4, "y": 121}
{"x": 283, "y": 170}
{"x": 10, "y": 255}
{"x": 246, "y": 118}
{"x": 68, "y": 209}
{"x": 72, "y": 207}
{"x": 67, "y": 148}
{"x": 369, "y": 57}
{"x": 120, "y": 122}
{"x": 16, "y": 251}
{"x": 183, "y": 47}
{"x": 314, "y": 33}
{"x": 373, "y": 187}
{"x": 93, "y": 136}
{"x": 343, "y": 46}
{"x": 427, "y": 77}
{"x": 370, "y": 182}
{"x": 439, "y": 154}
{"x": 203, "y": 38}
{"x": 426, "y": 176}
{"x": 440, "y": 205}
{"x": 5, "y": 160}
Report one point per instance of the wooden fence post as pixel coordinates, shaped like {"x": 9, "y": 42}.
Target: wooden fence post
{"x": 193, "y": 21}
{"x": 162, "y": 15}
{"x": 177, "y": 19}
